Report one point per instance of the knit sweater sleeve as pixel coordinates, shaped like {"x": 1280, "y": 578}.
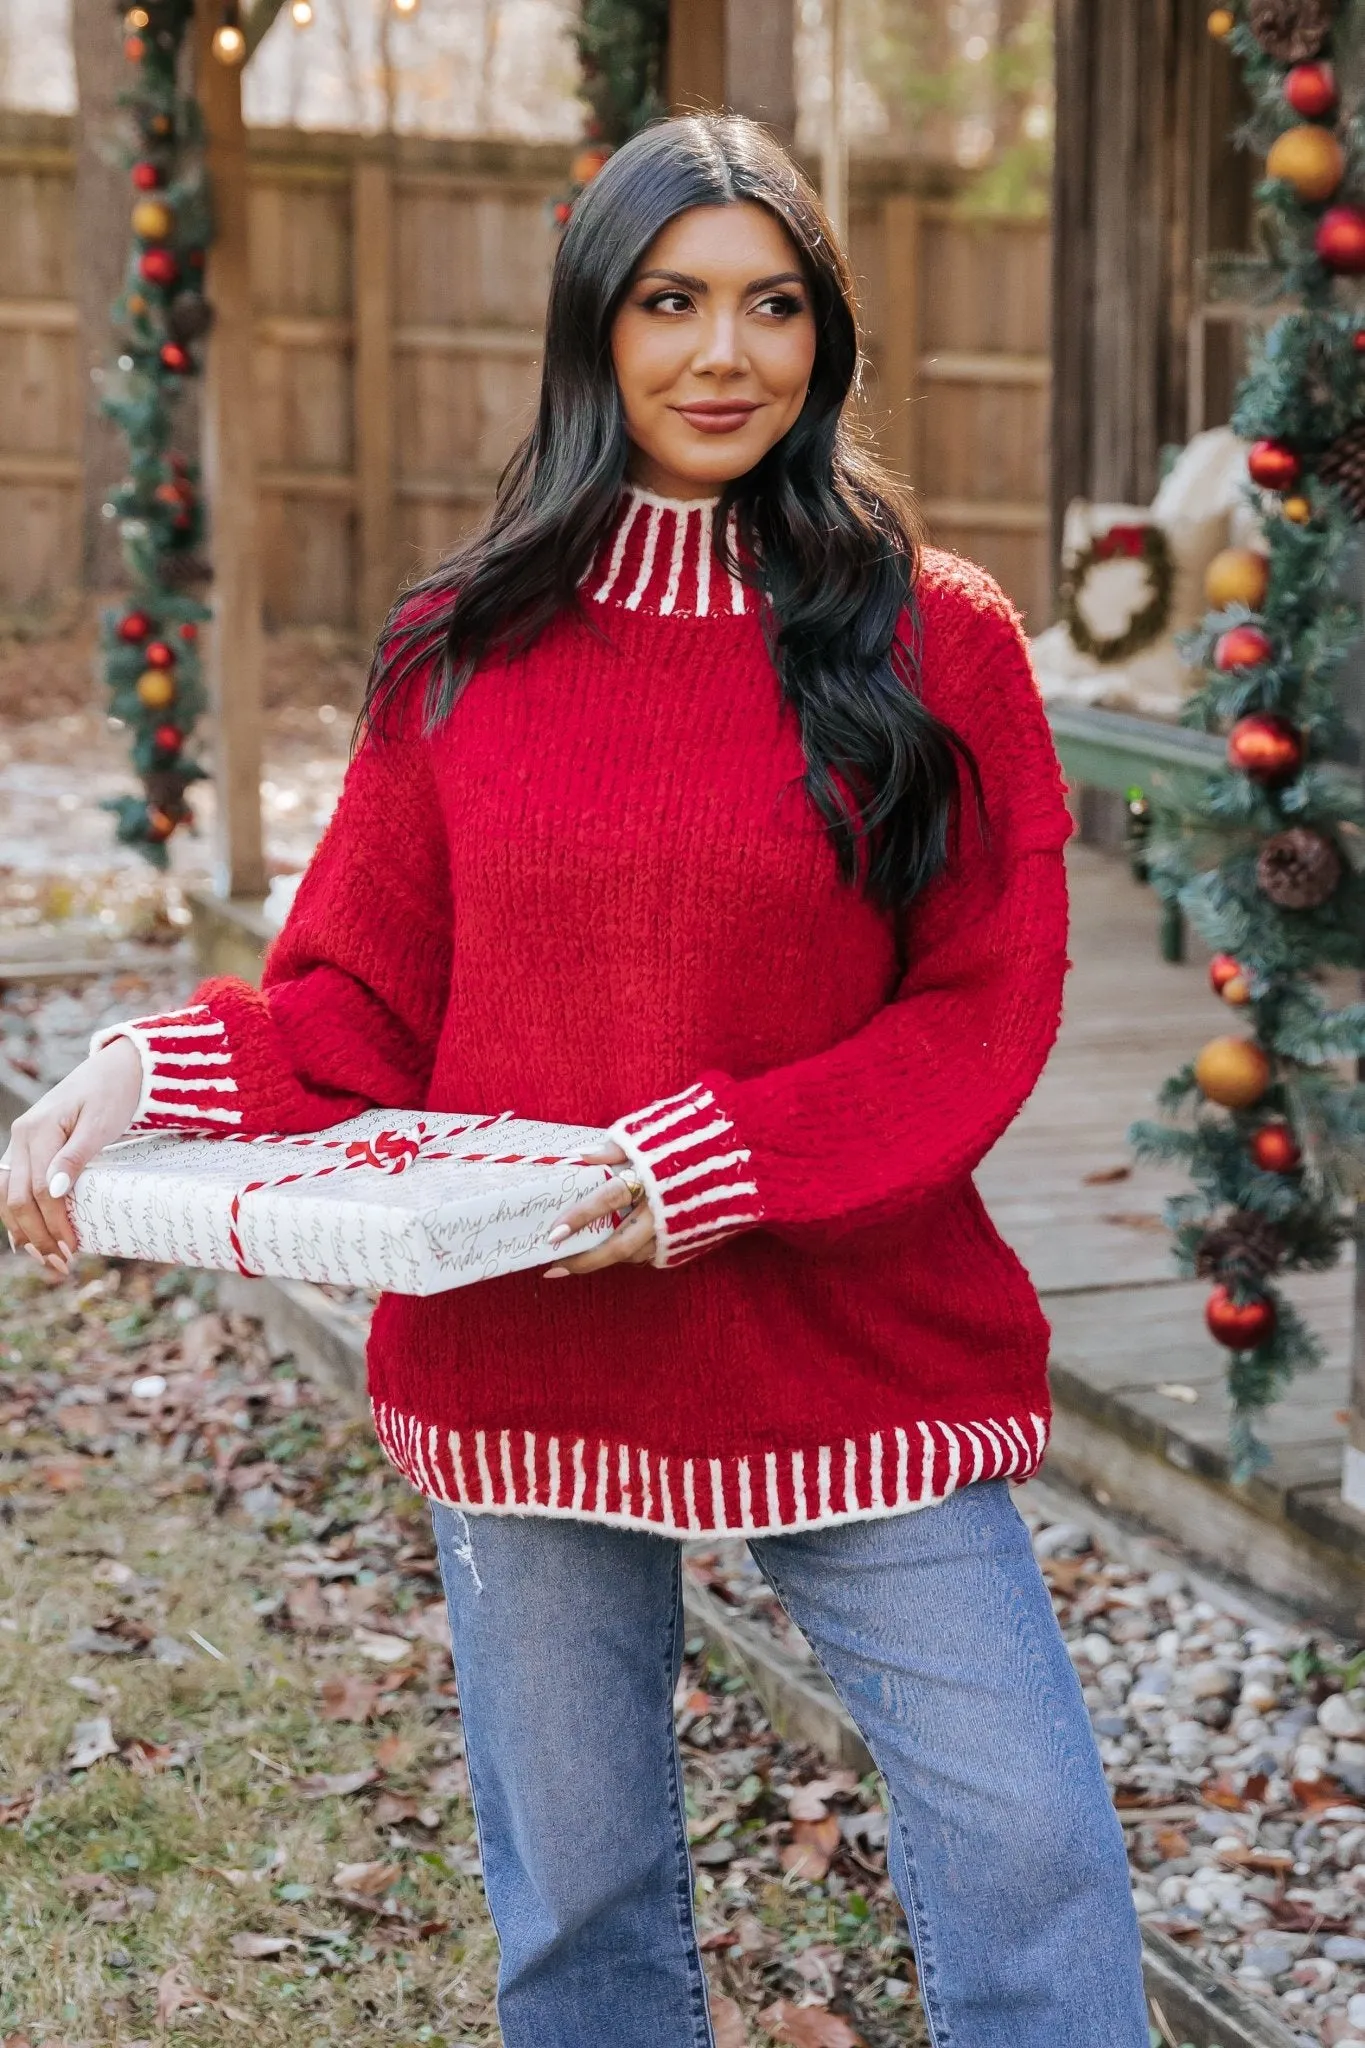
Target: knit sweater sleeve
{"x": 354, "y": 988}
{"x": 886, "y": 1119}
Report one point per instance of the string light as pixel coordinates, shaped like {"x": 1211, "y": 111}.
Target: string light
{"x": 229, "y": 44}
{"x": 301, "y": 13}
{"x": 136, "y": 18}
{"x": 405, "y": 6}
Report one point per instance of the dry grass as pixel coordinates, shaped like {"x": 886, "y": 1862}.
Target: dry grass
{"x": 236, "y": 1522}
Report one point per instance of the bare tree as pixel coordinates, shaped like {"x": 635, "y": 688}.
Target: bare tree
{"x": 101, "y": 250}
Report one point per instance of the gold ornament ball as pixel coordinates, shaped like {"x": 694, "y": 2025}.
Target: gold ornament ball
{"x": 156, "y": 689}
{"x": 1236, "y": 576}
{"x": 152, "y": 220}
{"x": 1233, "y": 1072}
{"x": 1309, "y": 158}
{"x": 1298, "y": 510}
{"x": 1222, "y": 21}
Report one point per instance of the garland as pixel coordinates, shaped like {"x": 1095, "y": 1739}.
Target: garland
{"x": 1264, "y": 855}
{"x": 1146, "y": 544}
{"x": 622, "y": 53}
{"x": 149, "y": 644}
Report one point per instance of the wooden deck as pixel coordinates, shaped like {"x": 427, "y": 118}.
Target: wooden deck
{"x": 1138, "y": 1383}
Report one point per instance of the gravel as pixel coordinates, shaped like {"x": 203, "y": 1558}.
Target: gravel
{"x": 1235, "y": 1749}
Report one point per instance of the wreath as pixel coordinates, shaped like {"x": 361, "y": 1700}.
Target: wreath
{"x": 1116, "y": 592}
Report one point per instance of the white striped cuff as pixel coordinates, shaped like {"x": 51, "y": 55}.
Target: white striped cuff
{"x": 696, "y": 1174}
{"x": 187, "y": 1082}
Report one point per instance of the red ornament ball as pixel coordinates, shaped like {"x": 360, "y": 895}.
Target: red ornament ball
{"x": 1242, "y": 647}
{"x": 147, "y": 177}
{"x": 1266, "y": 747}
{"x": 189, "y": 631}
{"x": 1340, "y": 239}
{"x": 168, "y": 738}
{"x": 1273, "y": 466}
{"x": 1227, "y": 979}
{"x": 1239, "y": 1325}
{"x": 562, "y": 211}
{"x": 1311, "y": 90}
{"x": 1358, "y": 341}
{"x": 134, "y": 49}
{"x": 176, "y": 358}
{"x": 134, "y": 627}
{"x": 158, "y": 267}
{"x": 157, "y": 654}
{"x": 1274, "y": 1149}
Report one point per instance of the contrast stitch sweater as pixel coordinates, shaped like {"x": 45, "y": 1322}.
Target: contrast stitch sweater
{"x": 599, "y": 894}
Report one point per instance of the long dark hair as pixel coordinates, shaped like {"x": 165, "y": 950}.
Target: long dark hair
{"x": 836, "y": 542}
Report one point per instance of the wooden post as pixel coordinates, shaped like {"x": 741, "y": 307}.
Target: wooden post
{"x": 834, "y": 155}
{"x": 234, "y": 649}
{"x": 900, "y": 351}
{"x": 372, "y": 296}
{"x": 696, "y": 55}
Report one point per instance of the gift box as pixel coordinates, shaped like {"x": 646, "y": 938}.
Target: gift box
{"x": 412, "y": 1204}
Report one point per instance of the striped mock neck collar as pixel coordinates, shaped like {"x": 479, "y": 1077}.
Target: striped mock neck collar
{"x": 658, "y": 558}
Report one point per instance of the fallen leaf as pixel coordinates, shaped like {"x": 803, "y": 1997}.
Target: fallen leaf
{"x": 63, "y": 1475}
{"x": 384, "y": 1649}
{"x": 108, "y": 1912}
{"x": 451, "y": 1781}
{"x": 811, "y": 1850}
{"x": 147, "y": 1758}
{"x": 754, "y": 1937}
{"x": 83, "y": 1881}
{"x": 1297, "y": 1916}
{"x": 393, "y": 1752}
{"x": 175, "y": 1992}
{"x": 368, "y": 1880}
{"x": 91, "y": 1741}
{"x": 16, "y": 1808}
{"x": 1317, "y": 1793}
{"x": 306, "y": 1608}
{"x": 1222, "y": 1792}
{"x": 259, "y": 1947}
{"x": 807, "y": 1802}
{"x": 202, "y": 1341}
{"x": 1271, "y": 1861}
{"x": 1103, "y": 1175}
{"x": 432, "y": 1625}
{"x": 1171, "y": 1842}
{"x": 1134, "y": 1219}
{"x": 349, "y": 1697}
{"x": 727, "y": 2023}
{"x": 808, "y": 2026}
{"x": 391, "y": 1809}
{"x": 335, "y": 1784}
{"x": 718, "y": 1938}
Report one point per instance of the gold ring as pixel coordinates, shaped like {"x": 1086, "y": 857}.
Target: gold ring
{"x": 632, "y": 1183}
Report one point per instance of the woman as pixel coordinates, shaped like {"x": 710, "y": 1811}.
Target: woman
{"x": 696, "y": 802}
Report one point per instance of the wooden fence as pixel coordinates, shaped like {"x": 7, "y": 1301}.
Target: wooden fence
{"x": 398, "y": 297}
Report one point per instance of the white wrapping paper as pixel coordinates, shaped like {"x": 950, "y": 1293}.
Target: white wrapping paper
{"x": 411, "y": 1203}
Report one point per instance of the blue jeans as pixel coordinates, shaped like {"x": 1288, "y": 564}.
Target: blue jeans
{"x": 937, "y": 1630}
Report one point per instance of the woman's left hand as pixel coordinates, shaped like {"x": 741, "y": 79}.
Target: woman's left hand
{"x": 630, "y": 1244}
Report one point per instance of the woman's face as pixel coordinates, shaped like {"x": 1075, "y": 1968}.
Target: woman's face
{"x": 713, "y": 348}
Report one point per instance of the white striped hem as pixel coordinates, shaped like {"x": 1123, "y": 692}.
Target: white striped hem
{"x": 696, "y": 1201}
{"x": 178, "y": 1084}
{"x": 751, "y": 1493}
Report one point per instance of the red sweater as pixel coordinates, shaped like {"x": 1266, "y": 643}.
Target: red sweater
{"x": 601, "y": 884}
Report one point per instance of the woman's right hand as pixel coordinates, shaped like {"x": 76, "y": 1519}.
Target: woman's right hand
{"x": 51, "y": 1143}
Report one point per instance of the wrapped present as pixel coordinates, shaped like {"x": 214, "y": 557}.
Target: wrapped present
{"x": 411, "y": 1203}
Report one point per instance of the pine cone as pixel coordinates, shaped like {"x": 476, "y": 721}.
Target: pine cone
{"x": 1343, "y": 464}
{"x": 1244, "y": 1247}
{"x": 1290, "y": 31}
{"x": 1298, "y": 869}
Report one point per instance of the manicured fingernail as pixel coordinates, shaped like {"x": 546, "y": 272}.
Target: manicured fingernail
{"x": 559, "y": 1233}
{"x": 556, "y": 1273}
{"x": 12, "y": 1245}
{"x": 57, "y": 1264}
{"x": 34, "y": 1253}
{"x": 59, "y": 1185}
{"x": 68, "y": 1251}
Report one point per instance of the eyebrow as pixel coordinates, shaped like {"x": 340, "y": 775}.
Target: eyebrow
{"x": 699, "y": 284}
